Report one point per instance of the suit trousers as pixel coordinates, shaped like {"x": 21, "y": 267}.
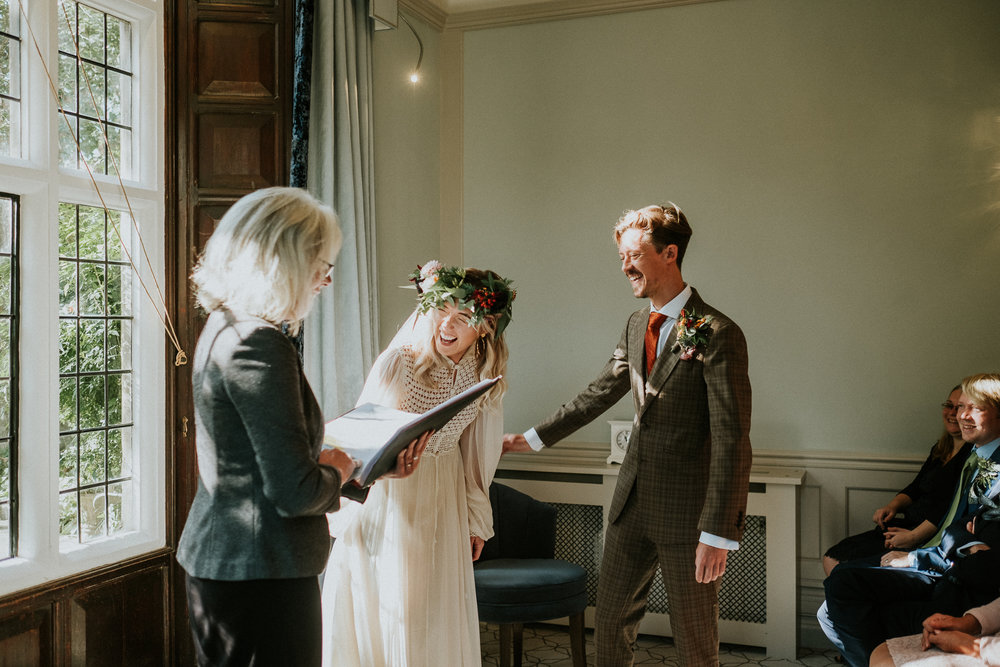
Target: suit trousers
{"x": 627, "y": 571}
{"x": 258, "y": 622}
{"x": 866, "y": 605}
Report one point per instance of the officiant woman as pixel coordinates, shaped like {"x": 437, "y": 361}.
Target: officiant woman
{"x": 256, "y": 538}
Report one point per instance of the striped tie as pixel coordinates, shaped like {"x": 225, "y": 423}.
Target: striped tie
{"x": 964, "y": 482}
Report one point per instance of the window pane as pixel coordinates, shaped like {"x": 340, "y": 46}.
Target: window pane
{"x": 5, "y": 347}
{"x": 67, "y": 404}
{"x": 92, "y": 401}
{"x": 67, "y": 462}
{"x": 6, "y": 222}
{"x": 92, "y": 284}
{"x": 116, "y": 235}
{"x": 97, "y": 91}
{"x": 10, "y": 80}
{"x": 67, "y": 288}
{"x": 92, "y": 145}
{"x": 119, "y": 507}
{"x": 92, "y": 457}
{"x": 91, "y": 346}
{"x": 119, "y": 99}
{"x": 119, "y": 44}
{"x": 10, "y": 66}
{"x": 119, "y": 460}
{"x": 67, "y": 515}
{"x": 8, "y": 17}
{"x": 9, "y": 132}
{"x": 5, "y": 406}
{"x": 8, "y": 368}
{"x": 95, "y": 360}
{"x": 119, "y": 289}
{"x": 119, "y": 345}
{"x": 67, "y": 147}
{"x": 90, "y": 33}
{"x": 93, "y": 513}
{"x": 67, "y": 83}
{"x": 120, "y": 399}
{"x": 5, "y": 530}
{"x": 91, "y": 241}
{"x": 67, "y": 346}
{"x": 5, "y": 284}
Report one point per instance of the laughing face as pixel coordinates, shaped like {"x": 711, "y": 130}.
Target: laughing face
{"x": 646, "y": 268}
{"x": 980, "y": 422}
{"x": 949, "y": 413}
{"x": 453, "y": 334}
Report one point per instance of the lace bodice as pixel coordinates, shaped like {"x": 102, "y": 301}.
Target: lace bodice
{"x": 448, "y": 381}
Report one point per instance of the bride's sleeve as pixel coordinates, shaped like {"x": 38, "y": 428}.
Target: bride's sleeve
{"x": 481, "y": 444}
{"x": 384, "y": 385}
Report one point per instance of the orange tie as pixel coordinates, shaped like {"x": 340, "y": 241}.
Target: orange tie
{"x": 656, "y": 321}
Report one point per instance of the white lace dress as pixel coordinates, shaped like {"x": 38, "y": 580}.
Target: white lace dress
{"x": 399, "y": 589}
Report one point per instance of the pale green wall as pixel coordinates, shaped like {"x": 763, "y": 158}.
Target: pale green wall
{"x": 838, "y": 161}
{"x": 407, "y": 186}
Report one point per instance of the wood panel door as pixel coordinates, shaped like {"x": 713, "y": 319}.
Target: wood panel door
{"x": 232, "y": 132}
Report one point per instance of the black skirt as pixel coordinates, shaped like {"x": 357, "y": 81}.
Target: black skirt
{"x": 869, "y": 543}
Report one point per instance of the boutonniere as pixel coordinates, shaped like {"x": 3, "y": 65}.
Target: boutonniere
{"x": 986, "y": 477}
{"x": 692, "y": 332}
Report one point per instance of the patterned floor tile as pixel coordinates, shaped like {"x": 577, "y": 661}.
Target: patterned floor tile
{"x": 548, "y": 646}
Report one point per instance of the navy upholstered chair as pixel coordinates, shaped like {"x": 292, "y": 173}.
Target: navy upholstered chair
{"x": 518, "y": 579}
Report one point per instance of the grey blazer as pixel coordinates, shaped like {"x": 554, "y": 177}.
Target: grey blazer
{"x": 259, "y": 509}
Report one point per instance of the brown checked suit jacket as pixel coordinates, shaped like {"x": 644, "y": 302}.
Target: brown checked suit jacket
{"x": 689, "y": 453}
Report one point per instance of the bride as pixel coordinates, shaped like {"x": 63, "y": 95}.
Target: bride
{"x": 399, "y": 588}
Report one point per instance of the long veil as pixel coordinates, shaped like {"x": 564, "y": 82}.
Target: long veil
{"x": 481, "y": 443}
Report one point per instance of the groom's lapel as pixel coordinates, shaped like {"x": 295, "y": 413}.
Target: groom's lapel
{"x": 668, "y": 359}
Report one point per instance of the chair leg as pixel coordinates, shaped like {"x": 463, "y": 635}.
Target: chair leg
{"x": 518, "y": 643}
{"x": 506, "y": 632}
{"x": 577, "y": 641}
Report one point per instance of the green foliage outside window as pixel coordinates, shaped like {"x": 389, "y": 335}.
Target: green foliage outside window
{"x": 95, "y": 387}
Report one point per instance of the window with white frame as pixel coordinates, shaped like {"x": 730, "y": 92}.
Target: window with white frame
{"x": 10, "y": 79}
{"x": 82, "y": 371}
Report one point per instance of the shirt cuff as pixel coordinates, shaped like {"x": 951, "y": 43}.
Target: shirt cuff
{"x": 533, "y": 440}
{"x": 987, "y": 620}
{"x": 718, "y": 542}
{"x": 963, "y": 550}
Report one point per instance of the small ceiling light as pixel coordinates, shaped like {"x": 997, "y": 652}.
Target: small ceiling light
{"x": 415, "y": 75}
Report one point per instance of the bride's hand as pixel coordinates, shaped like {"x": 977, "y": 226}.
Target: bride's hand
{"x": 477, "y": 546}
{"x": 408, "y": 459}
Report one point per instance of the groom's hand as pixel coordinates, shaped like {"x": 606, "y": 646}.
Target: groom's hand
{"x": 515, "y": 442}
{"x": 709, "y": 563}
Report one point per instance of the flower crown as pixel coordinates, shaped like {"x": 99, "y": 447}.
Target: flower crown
{"x": 438, "y": 285}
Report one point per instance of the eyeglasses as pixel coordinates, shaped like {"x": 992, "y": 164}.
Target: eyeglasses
{"x": 949, "y": 406}
{"x": 329, "y": 271}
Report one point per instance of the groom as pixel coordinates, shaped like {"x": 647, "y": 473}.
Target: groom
{"x": 682, "y": 489}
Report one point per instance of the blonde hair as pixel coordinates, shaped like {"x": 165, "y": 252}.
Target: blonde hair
{"x": 262, "y": 258}
{"x": 660, "y": 225}
{"x": 490, "y": 349}
{"x": 983, "y": 388}
{"x": 943, "y": 448}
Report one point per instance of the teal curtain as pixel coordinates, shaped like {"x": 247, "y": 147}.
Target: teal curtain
{"x": 341, "y": 334}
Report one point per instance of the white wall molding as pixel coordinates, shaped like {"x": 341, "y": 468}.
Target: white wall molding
{"x": 535, "y": 12}
{"x": 426, "y": 10}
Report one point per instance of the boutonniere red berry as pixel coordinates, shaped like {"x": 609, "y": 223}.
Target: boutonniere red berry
{"x": 692, "y": 332}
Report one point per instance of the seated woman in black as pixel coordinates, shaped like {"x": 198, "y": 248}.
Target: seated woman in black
{"x": 925, "y": 500}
